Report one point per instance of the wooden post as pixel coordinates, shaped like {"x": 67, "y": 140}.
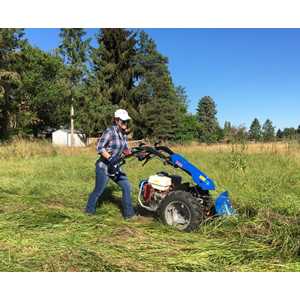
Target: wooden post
{"x": 72, "y": 124}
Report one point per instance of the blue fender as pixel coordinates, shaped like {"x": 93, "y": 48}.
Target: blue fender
{"x": 198, "y": 176}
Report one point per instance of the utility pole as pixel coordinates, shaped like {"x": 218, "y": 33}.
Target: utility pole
{"x": 72, "y": 123}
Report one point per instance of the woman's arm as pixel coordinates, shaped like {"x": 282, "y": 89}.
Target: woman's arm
{"x": 102, "y": 143}
{"x": 126, "y": 150}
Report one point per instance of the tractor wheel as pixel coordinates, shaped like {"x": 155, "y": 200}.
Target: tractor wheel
{"x": 182, "y": 211}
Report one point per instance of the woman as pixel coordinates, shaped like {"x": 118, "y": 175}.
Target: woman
{"x": 111, "y": 145}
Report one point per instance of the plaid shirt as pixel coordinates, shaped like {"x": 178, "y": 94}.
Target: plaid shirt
{"x": 113, "y": 141}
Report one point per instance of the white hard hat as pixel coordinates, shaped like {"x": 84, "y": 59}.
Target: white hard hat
{"x": 122, "y": 114}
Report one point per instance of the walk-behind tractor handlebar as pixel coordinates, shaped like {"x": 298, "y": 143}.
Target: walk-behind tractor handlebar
{"x": 145, "y": 153}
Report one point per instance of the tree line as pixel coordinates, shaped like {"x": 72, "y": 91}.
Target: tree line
{"x": 209, "y": 130}
{"x": 124, "y": 69}
{"x": 267, "y": 132}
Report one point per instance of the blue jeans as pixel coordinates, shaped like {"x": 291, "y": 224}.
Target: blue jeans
{"x": 101, "y": 183}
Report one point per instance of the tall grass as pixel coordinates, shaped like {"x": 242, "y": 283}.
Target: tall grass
{"x": 27, "y": 148}
{"x": 43, "y": 190}
{"x": 20, "y": 148}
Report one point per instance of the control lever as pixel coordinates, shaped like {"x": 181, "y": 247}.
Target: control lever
{"x": 147, "y": 158}
{"x": 157, "y": 143}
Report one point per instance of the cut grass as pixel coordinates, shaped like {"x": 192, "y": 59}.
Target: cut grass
{"x": 43, "y": 228}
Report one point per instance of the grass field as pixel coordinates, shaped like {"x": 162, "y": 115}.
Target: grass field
{"x": 43, "y": 191}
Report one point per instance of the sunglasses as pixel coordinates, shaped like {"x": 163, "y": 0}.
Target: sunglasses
{"x": 125, "y": 122}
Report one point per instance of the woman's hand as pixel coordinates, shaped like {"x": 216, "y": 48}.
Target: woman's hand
{"x": 106, "y": 155}
{"x": 127, "y": 152}
{"x": 112, "y": 165}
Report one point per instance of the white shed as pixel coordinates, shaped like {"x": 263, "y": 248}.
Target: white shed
{"x": 63, "y": 137}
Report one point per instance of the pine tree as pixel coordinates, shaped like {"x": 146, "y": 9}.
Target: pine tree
{"x": 74, "y": 50}
{"x": 157, "y": 106}
{"x": 110, "y": 80}
{"x": 182, "y": 99}
{"x": 129, "y": 72}
{"x": 159, "y": 121}
{"x": 268, "y": 131}
{"x": 95, "y": 111}
{"x": 188, "y": 126}
{"x": 113, "y": 64}
{"x": 227, "y": 131}
{"x": 206, "y": 113}
{"x": 279, "y": 134}
{"x": 255, "y": 132}
{"x": 290, "y": 133}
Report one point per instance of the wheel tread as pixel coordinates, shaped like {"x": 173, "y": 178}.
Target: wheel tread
{"x": 197, "y": 210}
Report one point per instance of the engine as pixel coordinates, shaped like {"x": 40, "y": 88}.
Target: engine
{"x": 154, "y": 190}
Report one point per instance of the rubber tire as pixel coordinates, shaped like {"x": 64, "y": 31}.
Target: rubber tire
{"x": 196, "y": 209}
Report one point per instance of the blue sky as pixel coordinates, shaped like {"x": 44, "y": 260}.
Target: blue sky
{"x": 248, "y": 72}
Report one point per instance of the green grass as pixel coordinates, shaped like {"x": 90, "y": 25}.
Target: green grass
{"x": 43, "y": 228}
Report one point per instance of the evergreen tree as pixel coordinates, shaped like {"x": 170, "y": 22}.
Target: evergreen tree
{"x": 110, "y": 81}
{"x": 11, "y": 43}
{"x": 95, "y": 111}
{"x": 188, "y": 126}
{"x": 113, "y": 64}
{"x": 129, "y": 72}
{"x": 279, "y": 134}
{"x": 290, "y": 133}
{"x": 227, "y": 131}
{"x": 255, "y": 132}
{"x": 182, "y": 99}
{"x": 206, "y": 113}
{"x": 268, "y": 131}
{"x": 74, "y": 51}
{"x": 157, "y": 107}
{"x": 159, "y": 120}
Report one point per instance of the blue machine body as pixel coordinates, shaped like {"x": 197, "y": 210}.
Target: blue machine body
{"x": 198, "y": 176}
{"x": 223, "y": 204}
